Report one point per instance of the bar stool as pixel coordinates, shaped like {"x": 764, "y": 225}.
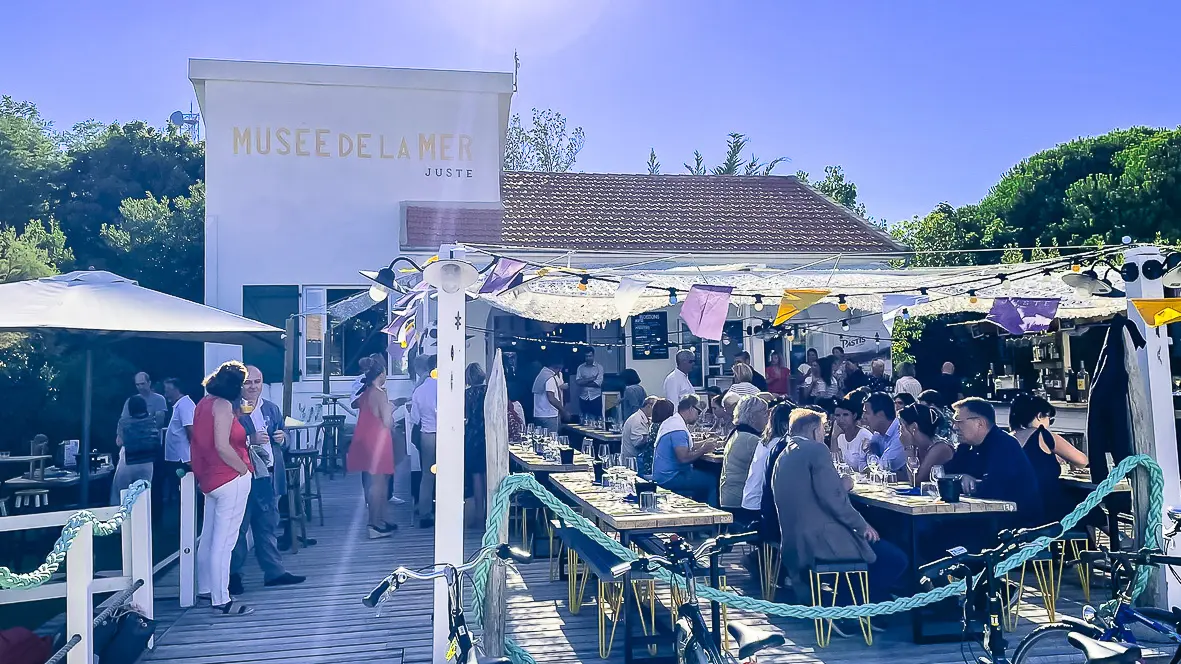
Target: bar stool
{"x": 332, "y": 452}
{"x": 309, "y": 484}
{"x": 31, "y": 499}
{"x": 839, "y": 570}
{"x": 769, "y": 564}
{"x": 1079, "y": 541}
{"x": 295, "y": 507}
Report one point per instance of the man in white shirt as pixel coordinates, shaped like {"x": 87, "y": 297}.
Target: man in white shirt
{"x": 424, "y": 412}
{"x": 677, "y": 384}
{"x": 635, "y": 429}
{"x": 548, "y": 410}
{"x": 589, "y": 379}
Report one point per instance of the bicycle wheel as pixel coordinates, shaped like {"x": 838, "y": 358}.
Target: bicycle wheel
{"x": 1048, "y": 644}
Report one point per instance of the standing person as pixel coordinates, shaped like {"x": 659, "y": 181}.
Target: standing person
{"x": 176, "y": 438}
{"x": 949, "y": 384}
{"x": 879, "y": 416}
{"x": 878, "y": 381}
{"x": 672, "y": 466}
{"x": 138, "y": 441}
{"x": 372, "y": 451}
{"x": 907, "y": 382}
{"x": 677, "y": 383}
{"x": 920, "y": 432}
{"x": 742, "y": 386}
{"x": 778, "y": 376}
{"x": 264, "y": 428}
{"x": 475, "y": 444}
{"x": 757, "y": 379}
{"x": 165, "y": 485}
{"x": 992, "y": 462}
{"x": 820, "y": 386}
{"x": 750, "y": 419}
{"x": 817, "y": 520}
{"x": 849, "y": 438}
{"x": 424, "y": 412}
{"x": 589, "y": 378}
{"x": 548, "y": 409}
{"x": 157, "y": 404}
{"x": 633, "y": 396}
{"x": 635, "y": 429}
{"x": 221, "y": 463}
{"x": 840, "y": 366}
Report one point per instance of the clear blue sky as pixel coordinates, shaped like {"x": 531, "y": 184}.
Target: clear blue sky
{"x": 920, "y": 101}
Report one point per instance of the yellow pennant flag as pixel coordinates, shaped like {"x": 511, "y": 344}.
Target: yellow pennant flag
{"x": 795, "y": 300}
{"x": 1161, "y": 311}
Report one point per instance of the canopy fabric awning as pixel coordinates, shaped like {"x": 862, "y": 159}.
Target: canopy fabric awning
{"x": 558, "y": 298}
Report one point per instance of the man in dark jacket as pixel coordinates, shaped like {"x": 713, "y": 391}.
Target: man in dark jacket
{"x": 992, "y": 462}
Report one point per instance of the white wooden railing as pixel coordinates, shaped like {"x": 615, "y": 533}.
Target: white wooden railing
{"x": 80, "y": 584}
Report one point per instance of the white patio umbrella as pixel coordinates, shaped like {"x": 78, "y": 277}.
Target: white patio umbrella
{"x": 96, "y": 307}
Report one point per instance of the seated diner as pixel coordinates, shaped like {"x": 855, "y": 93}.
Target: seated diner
{"x": 992, "y": 462}
{"x": 672, "y": 465}
{"x": 751, "y": 419}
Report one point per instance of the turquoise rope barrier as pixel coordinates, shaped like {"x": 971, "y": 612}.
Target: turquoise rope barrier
{"x": 523, "y": 482}
{"x": 11, "y": 580}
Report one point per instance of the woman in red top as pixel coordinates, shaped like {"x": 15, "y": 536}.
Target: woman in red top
{"x": 777, "y": 374}
{"x": 221, "y": 464}
{"x": 372, "y": 451}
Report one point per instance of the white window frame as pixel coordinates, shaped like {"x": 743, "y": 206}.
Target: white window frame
{"x": 305, "y": 313}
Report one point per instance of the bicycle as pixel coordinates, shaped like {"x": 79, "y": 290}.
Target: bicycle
{"x": 1110, "y": 633}
{"x": 982, "y": 603}
{"x": 694, "y": 642}
{"x": 462, "y": 648}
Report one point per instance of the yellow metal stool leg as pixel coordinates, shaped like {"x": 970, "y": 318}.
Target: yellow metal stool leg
{"x": 866, "y": 623}
{"x": 823, "y": 626}
{"x": 1084, "y": 569}
{"x": 1012, "y": 609}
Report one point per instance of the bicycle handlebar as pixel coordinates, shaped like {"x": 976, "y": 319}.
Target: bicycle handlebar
{"x": 440, "y": 570}
{"x": 1009, "y": 539}
{"x": 712, "y": 546}
{"x": 1142, "y": 557}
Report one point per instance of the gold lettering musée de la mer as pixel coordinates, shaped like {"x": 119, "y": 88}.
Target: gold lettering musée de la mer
{"x": 320, "y": 142}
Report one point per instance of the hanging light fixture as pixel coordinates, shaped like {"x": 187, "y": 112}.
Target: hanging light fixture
{"x": 583, "y": 283}
{"x": 758, "y": 303}
{"x": 845, "y": 325}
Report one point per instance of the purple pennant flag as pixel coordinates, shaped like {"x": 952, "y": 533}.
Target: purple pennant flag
{"x": 705, "y": 310}
{"x": 503, "y": 273}
{"x": 1019, "y": 315}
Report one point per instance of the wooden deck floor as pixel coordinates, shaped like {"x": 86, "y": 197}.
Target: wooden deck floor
{"x": 322, "y": 621}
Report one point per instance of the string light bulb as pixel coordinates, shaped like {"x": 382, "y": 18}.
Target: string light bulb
{"x": 435, "y": 374}
{"x": 758, "y": 303}
{"x": 923, "y": 290}
{"x": 845, "y": 325}
{"x": 672, "y": 296}
{"x": 905, "y": 313}
{"x": 841, "y": 303}
{"x": 647, "y": 351}
{"x": 972, "y": 296}
{"x": 1075, "y": 267}
{"x": 583, "y": 283}
{"x": 877, "y": 340}
{"x": 542, "y": 346}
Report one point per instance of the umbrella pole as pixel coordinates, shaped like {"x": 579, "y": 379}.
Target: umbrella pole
{"x": 84, "y": 452}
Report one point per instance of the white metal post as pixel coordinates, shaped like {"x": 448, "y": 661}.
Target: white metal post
{"x": 141, "y": 554}
{"x": 79, "y": 597}
{"x": 450, "y": 282}
{"x": 188, "y": 541}
{"x": 1154, "y": 363}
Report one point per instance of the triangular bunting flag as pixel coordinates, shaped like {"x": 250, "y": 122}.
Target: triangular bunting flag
{"x": 892, "y": 306}
{"x": 503, "y": 273}
{"x": 705, "y": 310}
{"x": 1018, "y": 315}
{"x": 795, "y": 300}
{"x": 627, "y": 294}
{"x": 1160, "y": 311}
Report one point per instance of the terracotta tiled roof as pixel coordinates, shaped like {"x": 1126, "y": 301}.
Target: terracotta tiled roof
{"x": 698, "y": 213}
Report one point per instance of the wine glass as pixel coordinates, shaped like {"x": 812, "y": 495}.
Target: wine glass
{"x": 936, "y": 473}
{"x": 912, "y": 465}
{"x": 630, "y": 464}
{"x": 604, "y": 451}
{"x": 873, "y": 462}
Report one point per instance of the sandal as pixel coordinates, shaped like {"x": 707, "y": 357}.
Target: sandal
{"x": 230, "y": 609}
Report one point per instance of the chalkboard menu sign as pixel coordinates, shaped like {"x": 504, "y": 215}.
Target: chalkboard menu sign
{"x": 650, "y": 336}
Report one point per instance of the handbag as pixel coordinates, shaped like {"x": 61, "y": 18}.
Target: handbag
{"x": 129, "y": 640}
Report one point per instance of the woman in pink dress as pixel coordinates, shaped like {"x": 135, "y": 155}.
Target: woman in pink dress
{"x": 372, "y": 451}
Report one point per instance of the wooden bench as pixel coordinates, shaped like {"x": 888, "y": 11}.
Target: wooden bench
{"x": 598, "y": 561}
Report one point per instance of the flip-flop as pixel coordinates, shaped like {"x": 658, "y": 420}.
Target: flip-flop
{"x": 229, "y": 609}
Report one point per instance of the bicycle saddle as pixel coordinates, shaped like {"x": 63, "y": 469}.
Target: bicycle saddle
{"x": 1104, "y": 652}
{"x": 751, "y": 639}
{"x": 1175, "y": 513}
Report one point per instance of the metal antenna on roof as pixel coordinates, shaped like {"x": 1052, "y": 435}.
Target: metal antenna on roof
{"x": 516, "y": 68}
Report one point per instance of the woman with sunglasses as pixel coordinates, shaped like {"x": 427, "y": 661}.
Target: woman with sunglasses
{"x": 920, "y": 432}
{"x": 1030, "y": 419}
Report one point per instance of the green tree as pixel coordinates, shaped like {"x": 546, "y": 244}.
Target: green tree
{"x": 837, "y": 187}
{"x": 35, "y": 252}
{"x": 546, "y": 145}
{"x": 733, "y": 164}
{"x": 653, "y": 164}
{"x": 108, "y": 167}
{"x": 161, "y": 242}
{"x": 30, "y": 163}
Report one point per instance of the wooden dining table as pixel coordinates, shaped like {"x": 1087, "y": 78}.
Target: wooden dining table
{"x": 36, "y": 462}
{"x": 593, "y": 433}
{"x": 905, "y": 519}
{"x": 612, "y": 512}
{"x": 523, "y": 457}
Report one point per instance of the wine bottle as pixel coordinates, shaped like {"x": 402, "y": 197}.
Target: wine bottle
{"x": 1071, "y": 386}
{"x": 990, "y": 383}
{"x": 1083, "y": 381}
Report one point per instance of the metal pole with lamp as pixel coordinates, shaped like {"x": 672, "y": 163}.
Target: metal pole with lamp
{"x": 450, "y": 276}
